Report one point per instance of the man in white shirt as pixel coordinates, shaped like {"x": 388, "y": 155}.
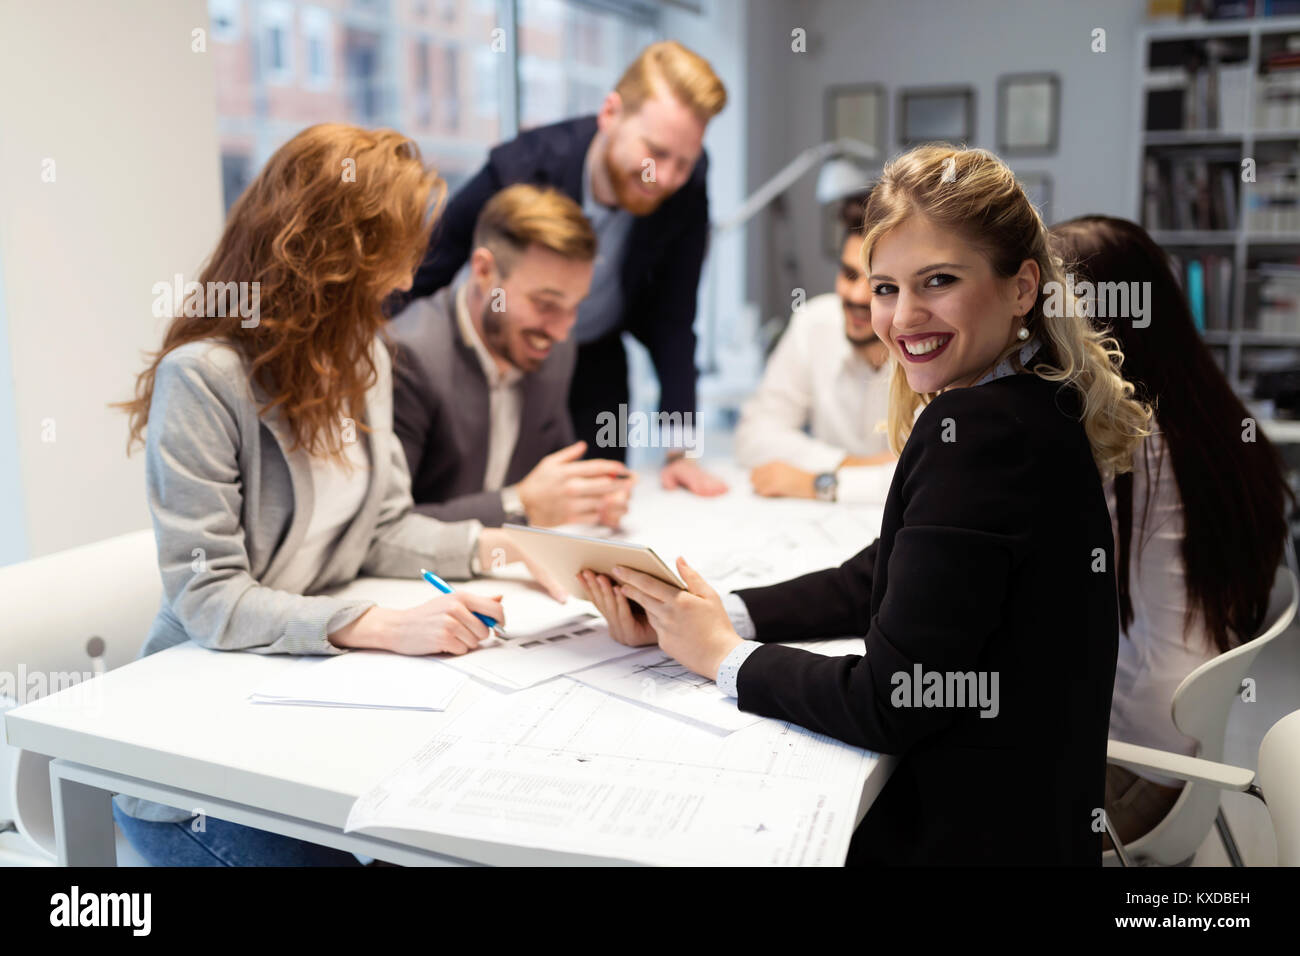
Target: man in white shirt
{"x": 814, "y": 428}
{"x": 481, "y": 375}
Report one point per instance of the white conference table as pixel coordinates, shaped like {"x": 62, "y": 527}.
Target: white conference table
{"x": 177, "y": 727}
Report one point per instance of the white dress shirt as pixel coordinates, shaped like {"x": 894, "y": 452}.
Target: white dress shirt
{"x": 1159, "y": 648}
{"x": 505, "y": 401}
{"x": 818, "y": 403}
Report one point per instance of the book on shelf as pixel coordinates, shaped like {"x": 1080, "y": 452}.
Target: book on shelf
{"x": 1277, "y": 93}
{"x": 1278, "y": 292}
{"x": 1234, "y": 96}
{"x": 1230, "y": 9}
{"x": 1206, "y": 280}
{"x": 1273, "y": 200}
{"x": 1202, "y": 9}
{"x": 1196, "y": 292}
{"x": 1164, "y": 9}
{"x": 1209, "y": 91}
{"x": 1190, "y": 190}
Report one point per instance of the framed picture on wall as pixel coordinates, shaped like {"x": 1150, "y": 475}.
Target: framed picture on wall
{"x": 940, "y": 114}
{"x": 1029, "y": 106}
{"x": 857, "y": 112}
{"x": 1038, "y": 188}
{"x": 852, "y": 112}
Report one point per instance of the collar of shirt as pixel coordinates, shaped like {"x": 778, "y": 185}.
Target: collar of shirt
{"x": 1006, "y": 366}
{"x": 592, "y": 207}
{"x": 491, "y": 371}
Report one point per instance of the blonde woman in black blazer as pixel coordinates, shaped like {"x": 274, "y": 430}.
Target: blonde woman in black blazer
{"x": 994, "y": 565}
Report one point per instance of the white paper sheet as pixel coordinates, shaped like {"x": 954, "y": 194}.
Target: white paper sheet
{"x": 738, "y": 540}
{"x": 653, "y": 679}
{"x": 524, "y": 661}
{"x": 568, "y": 768}
{"x": 363, "y": 679}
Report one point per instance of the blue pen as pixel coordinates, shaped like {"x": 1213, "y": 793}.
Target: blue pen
{"x": 445, "y": 588}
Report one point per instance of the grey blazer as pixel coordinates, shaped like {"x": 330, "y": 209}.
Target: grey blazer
{"x": 230, "y": 505}
{"x": 440, "y": 411}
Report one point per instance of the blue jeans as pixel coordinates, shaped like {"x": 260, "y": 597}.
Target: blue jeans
{"x": 220, "y": 843}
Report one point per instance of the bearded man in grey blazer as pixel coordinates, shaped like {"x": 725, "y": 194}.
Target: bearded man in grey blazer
{"x": 482, "y": 371}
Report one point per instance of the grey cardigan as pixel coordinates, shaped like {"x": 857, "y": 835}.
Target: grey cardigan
{"x": 231, "y": 504}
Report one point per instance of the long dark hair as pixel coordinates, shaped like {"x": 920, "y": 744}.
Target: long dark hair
{"x": 1233, "y": 491}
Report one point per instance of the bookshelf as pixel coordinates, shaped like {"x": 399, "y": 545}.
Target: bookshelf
{"x": 1215, "y": 93}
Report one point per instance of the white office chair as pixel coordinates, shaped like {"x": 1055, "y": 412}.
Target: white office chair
{"x": 1201, "y": 706}
{"x": 1279, "y": 779}
{"x": 1276, "y": 784}
{"x": 84, "y": 610}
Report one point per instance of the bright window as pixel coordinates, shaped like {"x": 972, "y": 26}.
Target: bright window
{"x": 277, "y": 41}
{"x": 318, "y": 38}
{"x": 224, "y": 19}
{"x": 440, "y": 71}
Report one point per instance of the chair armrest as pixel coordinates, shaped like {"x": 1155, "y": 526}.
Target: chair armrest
{"x": 1221, "y": 775}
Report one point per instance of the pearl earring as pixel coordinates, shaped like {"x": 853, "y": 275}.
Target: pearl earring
{"x": 1022, "y": 334}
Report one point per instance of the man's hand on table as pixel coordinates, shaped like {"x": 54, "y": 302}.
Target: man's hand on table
{"x": 683, "y": 472}
{"x": 561, "y": 489}
{"x": 778, "y": 479}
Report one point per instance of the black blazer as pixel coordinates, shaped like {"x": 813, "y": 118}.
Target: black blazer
{"x": 995, "y": 555}
{"x": 441, "y": 412}
{"x": 665, "y": 250}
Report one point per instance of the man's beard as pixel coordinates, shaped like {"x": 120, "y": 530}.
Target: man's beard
{"x": 864, "y": 340}
{"x": 625, "y": 192}
{"x": 497, "y": 338}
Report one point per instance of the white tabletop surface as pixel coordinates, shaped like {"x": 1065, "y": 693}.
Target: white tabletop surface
{"x": 182, "y": 717}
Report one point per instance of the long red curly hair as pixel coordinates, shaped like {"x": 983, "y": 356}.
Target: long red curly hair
{"x": 338, "y": 218}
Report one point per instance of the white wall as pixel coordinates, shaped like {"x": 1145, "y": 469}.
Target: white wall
{"x": 718, "y": 34}
{"x": 917, "y": 43}
{"x": 114, "y": 95}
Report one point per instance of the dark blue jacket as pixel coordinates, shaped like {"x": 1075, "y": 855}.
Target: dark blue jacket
{"x": 665, "y": 250}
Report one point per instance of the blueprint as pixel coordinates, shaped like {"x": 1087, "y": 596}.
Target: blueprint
{"x": 564, "y": 767}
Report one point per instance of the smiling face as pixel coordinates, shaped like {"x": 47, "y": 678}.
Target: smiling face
{"x": 853, "y": 287}
{"x": 940, "y": 307}
{"x": 540, "y": 298}
{"x": 663, "y": 131}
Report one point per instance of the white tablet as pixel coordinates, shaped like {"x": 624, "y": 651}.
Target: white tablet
{"x": 564, "y": 555}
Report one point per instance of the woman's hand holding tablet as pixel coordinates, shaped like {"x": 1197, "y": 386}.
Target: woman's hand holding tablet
{"x": 627, "y": 625}
{"x": 691, "y": 625}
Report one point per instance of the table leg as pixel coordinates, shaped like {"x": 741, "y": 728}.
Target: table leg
{"x": 83, "y": 822}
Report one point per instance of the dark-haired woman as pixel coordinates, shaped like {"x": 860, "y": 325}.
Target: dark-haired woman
{"x": 1199, "y": 523}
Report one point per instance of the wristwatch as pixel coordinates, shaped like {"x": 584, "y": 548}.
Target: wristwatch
{"x": 513, "y": 506}
{"x": 825, "y": 486}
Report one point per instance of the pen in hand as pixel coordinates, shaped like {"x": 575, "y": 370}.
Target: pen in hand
{"x": 445, "y": 588}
